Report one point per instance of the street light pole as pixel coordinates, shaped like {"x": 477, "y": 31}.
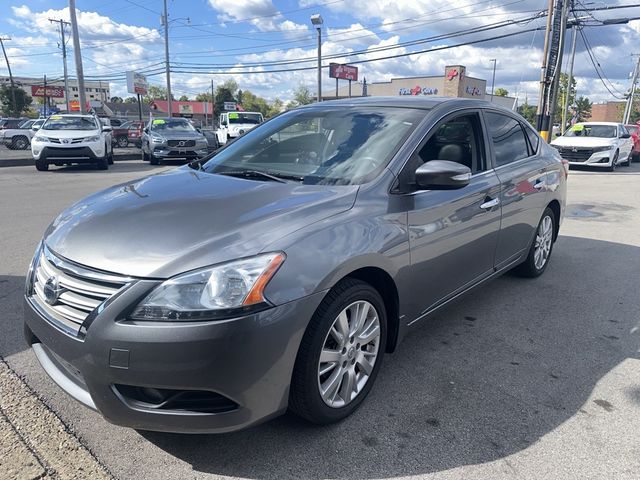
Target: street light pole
{"x": 493, "y": 80}
{"x": 317, "y": 21}
{"x": 165, "y": 21}
{"x": 567, "y": 91}
{"x": 629, "y": 104}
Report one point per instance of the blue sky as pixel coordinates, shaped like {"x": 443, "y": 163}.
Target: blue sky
{"x": 209, "y": 37}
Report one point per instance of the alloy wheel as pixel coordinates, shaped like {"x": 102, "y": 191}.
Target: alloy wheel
{"x": 544, "y": 240}
{"x": 349, "y": 353}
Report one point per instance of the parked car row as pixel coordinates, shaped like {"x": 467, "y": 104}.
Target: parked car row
{"x": 20, "y": 138}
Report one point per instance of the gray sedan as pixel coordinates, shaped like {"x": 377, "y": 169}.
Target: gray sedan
{"x": 276, "y": 274}
{"x": 170, "y": 139}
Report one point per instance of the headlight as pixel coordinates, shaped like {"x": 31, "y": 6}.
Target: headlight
{"x": 157, "y": 138}
{"x": 602, "y": 149}
{"x": 211, "y": 293}
{"x": 95, "y": 138}
{"x": 40, "y": 139}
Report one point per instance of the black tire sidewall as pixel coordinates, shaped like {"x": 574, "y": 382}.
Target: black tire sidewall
{"x": 307, "y": 362}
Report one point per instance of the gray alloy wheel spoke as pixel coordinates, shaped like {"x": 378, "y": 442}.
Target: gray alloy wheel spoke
{"x": 348, "y": 354}
{"x": 544, "y": 239}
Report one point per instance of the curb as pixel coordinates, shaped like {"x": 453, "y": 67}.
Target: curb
{"x": 27, "y": 162}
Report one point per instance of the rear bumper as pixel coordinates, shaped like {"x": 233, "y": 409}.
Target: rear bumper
{"x": 247, "y": 361}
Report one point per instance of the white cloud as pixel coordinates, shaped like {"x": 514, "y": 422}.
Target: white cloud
{"x": 262, "y": 14}
{"x": 354, "y": 36}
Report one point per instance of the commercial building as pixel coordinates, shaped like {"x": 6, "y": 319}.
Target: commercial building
{"x": 454, "y": 83}
{"x": 607, "y": 112}
{"x": 94, "y": 90}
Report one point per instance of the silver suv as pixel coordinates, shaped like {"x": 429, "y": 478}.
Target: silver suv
{"x": 172, "y": 138}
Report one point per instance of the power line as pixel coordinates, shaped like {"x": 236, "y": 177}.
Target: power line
{"x": 597, "y": 67}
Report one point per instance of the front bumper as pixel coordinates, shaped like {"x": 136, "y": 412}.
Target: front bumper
{"x": 189, "y": 153}
{"x": 247, "y": 361}
{"x": 73, "y": 154}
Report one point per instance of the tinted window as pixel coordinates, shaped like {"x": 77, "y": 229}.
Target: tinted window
{"x": 591, "y": 130}
{"x": 509, "y": 143}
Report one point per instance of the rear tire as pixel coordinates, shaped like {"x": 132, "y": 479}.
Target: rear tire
{"x": 42, "y": 165}
{"x": 541, "y": 247}
{"x": 351, "y": 375}
{"x": 122, "y": 142}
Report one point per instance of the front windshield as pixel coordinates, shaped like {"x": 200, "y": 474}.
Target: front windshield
{"x": 599, "y": 131}
{"x": 57, "y": 122}
{"x": 240, "y": 117}
{"x": 166, "y": 125}
{"x": 330, "y": 145}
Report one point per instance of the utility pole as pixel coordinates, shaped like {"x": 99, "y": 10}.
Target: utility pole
{"x": 13, "y": 87}
{"x": 63, "y": 43}
{"x": 563, "y": 11}
{"x": 542, "y": 120}
{"x": 165, "y": 23}
{"x": 78, "y": 56}
{"x": 628, "y": 108}
{"x": 565, "y": 106}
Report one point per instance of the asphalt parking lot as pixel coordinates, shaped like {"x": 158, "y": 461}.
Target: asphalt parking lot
{"x": 521, "y": 379}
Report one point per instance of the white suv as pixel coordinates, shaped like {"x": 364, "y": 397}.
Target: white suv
{"x": 67, "y": 139}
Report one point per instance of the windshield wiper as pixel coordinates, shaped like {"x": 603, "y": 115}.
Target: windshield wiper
{"x": 252, "y": 174}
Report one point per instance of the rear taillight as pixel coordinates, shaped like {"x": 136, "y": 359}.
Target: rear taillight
{"x": 565, "y": 164}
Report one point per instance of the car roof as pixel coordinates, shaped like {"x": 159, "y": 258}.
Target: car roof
{"x": 426, "y": 103}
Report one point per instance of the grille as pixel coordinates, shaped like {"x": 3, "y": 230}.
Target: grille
{"x": 185, "y": 143}
{"x": 66, "y": 293}
{"x": 581, "y": 155}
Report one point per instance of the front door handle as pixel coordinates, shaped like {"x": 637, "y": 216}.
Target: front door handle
{"x": 490, "y": 203}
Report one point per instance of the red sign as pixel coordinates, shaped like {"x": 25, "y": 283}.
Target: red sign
{"x": 39, "y": 91}
{"x": 453, "y": 73}
{"x": 345, "y": 72}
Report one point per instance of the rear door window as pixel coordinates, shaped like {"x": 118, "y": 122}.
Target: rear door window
{"x": 508, "y": 138}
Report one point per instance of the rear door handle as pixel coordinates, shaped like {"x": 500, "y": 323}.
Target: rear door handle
{"x": 490, "y": 204}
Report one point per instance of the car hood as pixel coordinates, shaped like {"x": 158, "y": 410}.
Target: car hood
{"x": 184, "y": 219}
{"x": 583, "y": 142}
{"x": 68, "y": 133}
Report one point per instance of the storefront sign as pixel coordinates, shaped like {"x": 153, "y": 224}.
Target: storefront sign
{"x": 418, "y": 90}
{"x": 137, "y": 83}
{"x": 473, "y": 90}
{"x": 230, "y": 106}
{"x": 344, "y": 72}
{"x": 40, "y": 91}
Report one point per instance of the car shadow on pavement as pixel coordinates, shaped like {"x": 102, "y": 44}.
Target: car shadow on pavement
{"x": 117, "y": 167}
{"x": 484, "y": 378}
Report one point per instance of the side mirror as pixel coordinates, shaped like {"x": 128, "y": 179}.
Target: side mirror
{"x": 442, "y": 175}
{"x": 35, "y": 128}
{"x": 146, "y": 130}
{"x": 625, "y": 135}
{"x": 107, "y": 128}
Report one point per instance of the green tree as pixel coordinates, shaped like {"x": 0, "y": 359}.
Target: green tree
{"x": 276, "y": 107}
{"x": 131, "y": 100}
{"x": 183, "y": 98}
{"x": 583, "y": 109}
{"x": 501, "y": 92}
{"x": 22, "y": 100}
{"x": 301, "y": 96}
{"x": 204, "y": 97}
{"x": 156, "y": 93}
{"x": 254, "y": 103}
{"x": 528, "y": 112}
{"x": 116, "y": 99}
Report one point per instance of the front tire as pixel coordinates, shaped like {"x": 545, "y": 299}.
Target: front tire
{"x": 122, "y": 142}
{"x": 541, "y": 248}
{"x": 20, "y": 143}
{"x": 614, "y": 163}
{"x": 340, "y": 353}
{"x": 42, "y": 165}
{"x": 103, "y": 163}
{"x": 153, "y": 160}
